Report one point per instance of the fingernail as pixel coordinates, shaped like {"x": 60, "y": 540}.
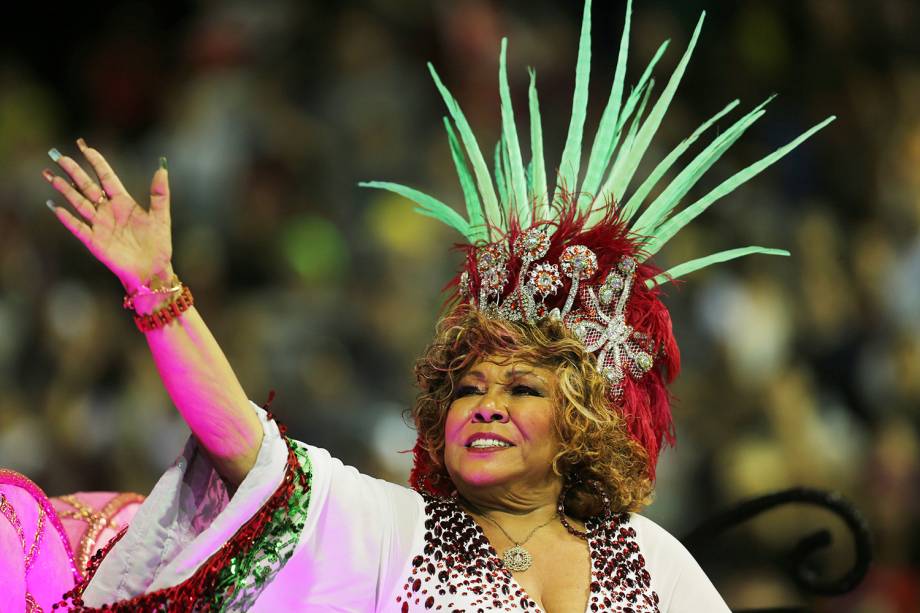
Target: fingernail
{"x": 81, "y": 143}
{"x": 163, "y": 163}
{"x": 54, "y": 154}
{"x": 50, "y": 205}
{"x": 49, "y": 176}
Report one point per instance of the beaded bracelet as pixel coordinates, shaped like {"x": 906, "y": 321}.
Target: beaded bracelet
{"x": 160, "y": 318}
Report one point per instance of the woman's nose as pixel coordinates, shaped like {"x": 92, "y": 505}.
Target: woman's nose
{"x": 490, "y": 411}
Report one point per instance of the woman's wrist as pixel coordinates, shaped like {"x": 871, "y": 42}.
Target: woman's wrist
{"x": 146, "y": 296}
{"x": 158, "y": 274}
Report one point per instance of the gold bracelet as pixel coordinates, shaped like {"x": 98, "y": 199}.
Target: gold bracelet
{"x": 144, "y": 290}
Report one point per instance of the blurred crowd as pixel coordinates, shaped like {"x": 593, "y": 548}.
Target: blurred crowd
{"x": 801, "y": 371}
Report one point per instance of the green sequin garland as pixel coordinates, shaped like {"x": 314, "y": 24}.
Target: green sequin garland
{"x": 241, "y": 582}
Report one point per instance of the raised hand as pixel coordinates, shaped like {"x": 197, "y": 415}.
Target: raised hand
{"x": 133, "y": 242}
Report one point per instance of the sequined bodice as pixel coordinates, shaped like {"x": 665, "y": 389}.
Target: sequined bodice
{"x": 458, "y": 570}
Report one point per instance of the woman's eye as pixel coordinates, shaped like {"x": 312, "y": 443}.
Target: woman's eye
{"x": 466, "y": 390}
{"x": 525, "y": 390}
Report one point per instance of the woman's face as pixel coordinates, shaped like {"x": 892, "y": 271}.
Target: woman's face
{"x": 499, "y": 429}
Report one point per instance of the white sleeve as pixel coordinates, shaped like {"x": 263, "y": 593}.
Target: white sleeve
{"x": 357, "y": 534}
{"x": 358, "y": 538}
{"x": 186, "y": 517}
{"x": 677, "y": 578}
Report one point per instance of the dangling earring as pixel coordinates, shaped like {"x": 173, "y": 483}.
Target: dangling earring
{"x": 560, "y": 506}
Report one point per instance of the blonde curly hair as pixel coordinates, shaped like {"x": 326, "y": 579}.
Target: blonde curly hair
{"x": 597, "y": 451}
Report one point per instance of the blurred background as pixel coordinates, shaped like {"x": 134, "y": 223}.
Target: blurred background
{"x": 797, "y": 371}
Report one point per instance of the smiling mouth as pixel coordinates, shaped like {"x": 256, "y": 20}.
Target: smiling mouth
{"x": 485, "y": 444}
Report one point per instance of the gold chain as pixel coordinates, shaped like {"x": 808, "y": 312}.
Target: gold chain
{"x": 39, "y": 529}
{"x": 97, "y": 520}
{"x": 7, "y": 510}
{"x": 498, "y": 525}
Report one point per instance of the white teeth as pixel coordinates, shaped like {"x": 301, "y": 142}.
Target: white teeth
{"x": 488, "y": 442}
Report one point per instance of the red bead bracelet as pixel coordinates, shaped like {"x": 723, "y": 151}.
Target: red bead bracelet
{"x": 160, "y": 318}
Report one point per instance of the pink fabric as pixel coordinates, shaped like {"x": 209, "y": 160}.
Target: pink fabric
{"x": 12, "y": 575}
{"x": 52, "y": 570}
{"x": 63, "y": 546}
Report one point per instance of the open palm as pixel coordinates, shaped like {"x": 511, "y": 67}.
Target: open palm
{"x": 133, "y": 242}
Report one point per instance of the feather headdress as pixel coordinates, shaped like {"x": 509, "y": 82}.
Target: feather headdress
{"x": 581, "y": 252}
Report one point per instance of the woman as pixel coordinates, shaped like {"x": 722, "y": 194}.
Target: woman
{"x": 542, "y": 405}
{"x": 509, "y": 411}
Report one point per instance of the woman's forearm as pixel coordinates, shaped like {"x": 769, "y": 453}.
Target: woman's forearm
{"x": 207, "y": 393}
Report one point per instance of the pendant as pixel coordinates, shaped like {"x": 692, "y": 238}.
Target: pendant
{"x": 517, "y": 559}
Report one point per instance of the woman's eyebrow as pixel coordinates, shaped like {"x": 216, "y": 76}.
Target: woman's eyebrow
{"x": 509, "y": 377}
{"x": 517, "y": 374}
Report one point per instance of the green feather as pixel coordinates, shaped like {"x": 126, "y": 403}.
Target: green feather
{"x": 539, "y": 193}
{"x": 627, "y": 143}
{"x": 428, "y": 206}
{"x": 716, "y": 258}
{"x": 517, "y": 180}
{"x": 620, "y": 181}
{"x": 529, "y": 173}
{"x": 636, "y": 200}
{"x": 571, "y": 154}
{"x": 636, "y": 94}
{"x": 635, "y": 97}
{"x": 599, "y": 159}
{"x": 673, "y": 225}
{"x": 483, "y": 180}
{"x": 506, "y": 169}
{"x": 500, "y": 181}
{"x": 662, "y": 206}
{"x": 468, "y": 185}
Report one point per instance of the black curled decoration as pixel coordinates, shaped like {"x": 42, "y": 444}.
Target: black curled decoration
{"x": 797, "y": 567}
